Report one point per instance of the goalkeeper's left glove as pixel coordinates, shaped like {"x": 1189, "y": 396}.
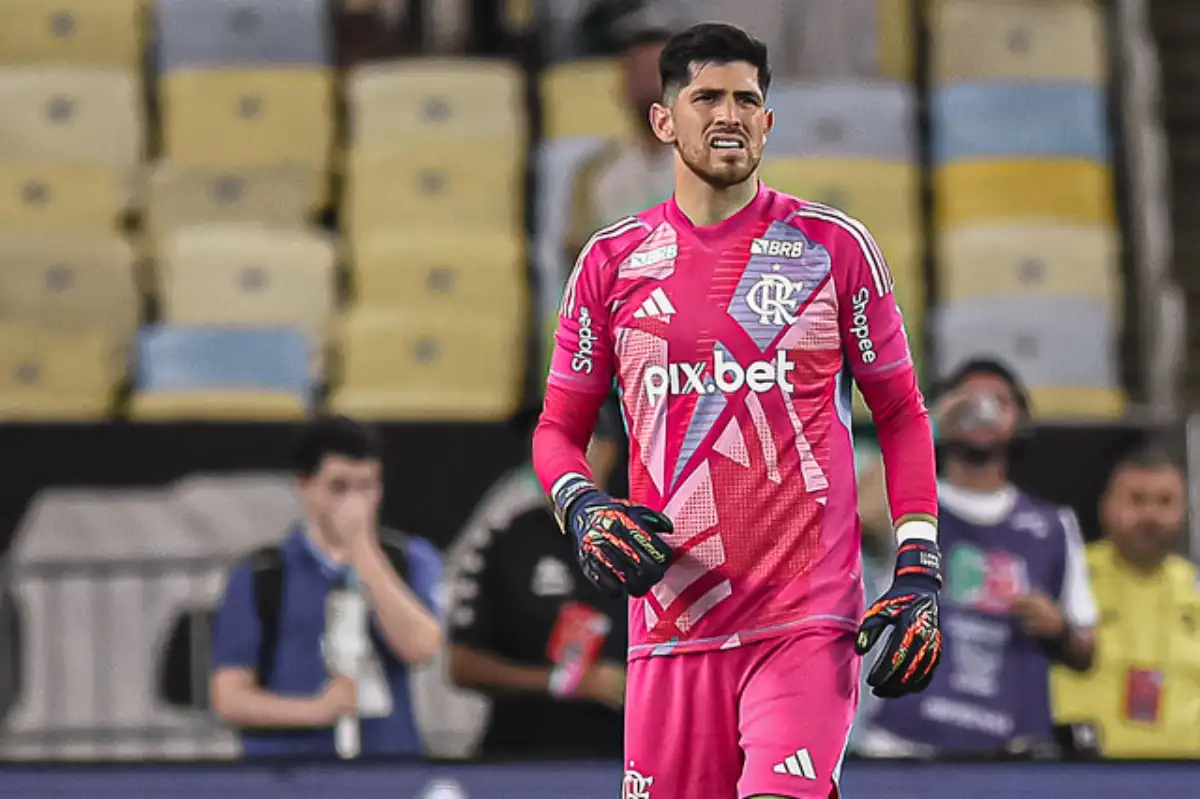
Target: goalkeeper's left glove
{"x": 618, "y": 543}
{"x": 912, "y": 652}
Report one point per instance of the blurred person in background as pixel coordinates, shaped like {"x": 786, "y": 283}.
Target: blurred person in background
{"x": 523, "y": 596}
{"x": 371, "y": 30}
{"x": 270, "y": 675}
{"x": 627, "y": 174}
{"x": 1016, "y": 597}
{"x": 1142, "y": 697}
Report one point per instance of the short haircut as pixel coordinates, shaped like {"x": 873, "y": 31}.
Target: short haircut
{"x": 710, "y": 43}
{"x": 334, "y": 435}
{"x": 1151, "y": 456}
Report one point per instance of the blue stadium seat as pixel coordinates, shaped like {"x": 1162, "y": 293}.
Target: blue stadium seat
{"x": 200, "y": 34}
{"x": 1020, "y": 120}
{"x": 844, "y": 120}
{"x": 198, "y": 358}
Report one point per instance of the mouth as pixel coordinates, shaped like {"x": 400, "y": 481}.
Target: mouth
{"x": 727, "y": 142}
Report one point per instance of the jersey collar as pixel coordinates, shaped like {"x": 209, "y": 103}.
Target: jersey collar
{"x": 978, "y": 507}
{"x": 713, "y": 234}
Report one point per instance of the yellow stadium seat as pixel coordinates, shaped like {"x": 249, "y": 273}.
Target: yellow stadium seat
{"x": 1067, "y": 191}
{"x": 583, "y": 98}
{"x": 1076, "y": 403}
{"x": 237, "y": 118}
{"x": 436, "y": 186}
{"x": 216, "y": 406}
{"x": 894, "y": 29}
{"x": 230, "y": 275}
{"x": 1074, "y": 260}
{"x": 479, "y": 275}
{"x": 455, "y": 98}
{"x": 50, "y": 375}
{"x": 102, "y": 33}
{"x": 71, "y": 115}
{"x": 1062, "y": 40}
{"x": 878, "y": 193}
{"x": 49, "y": 197}
{"x": 273, "y": 196}
{"x": 70, "y": 282}
{"x": 430, "y": 367}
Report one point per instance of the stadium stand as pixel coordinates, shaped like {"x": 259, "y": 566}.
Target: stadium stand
{"x": 48, "y": 374}
{"x": 1023, "y": 185}
{"x": 77, "y": 32}
{"x": 218, "y": 373}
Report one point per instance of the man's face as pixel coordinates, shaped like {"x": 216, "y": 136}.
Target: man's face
{"x": 643, "y": 87}
{"x": 986, "y": 412}
{"x": 1143, "y": 511}
{"x": 718, "y": 122}
{"x": 337, "y": 479}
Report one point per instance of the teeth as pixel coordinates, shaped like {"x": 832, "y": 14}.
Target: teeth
{"x": 726, "y": 144}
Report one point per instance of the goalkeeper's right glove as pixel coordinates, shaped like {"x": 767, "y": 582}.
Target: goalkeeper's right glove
{"x": 912, "y": 652}
{"x": 618, "y": 543}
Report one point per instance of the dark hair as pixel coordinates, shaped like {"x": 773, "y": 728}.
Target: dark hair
{"x": 986, "y": 366}
{"x": 1148, "y": 455}
{"x": 710, "y": 43}
{"x": 334, "y": 435}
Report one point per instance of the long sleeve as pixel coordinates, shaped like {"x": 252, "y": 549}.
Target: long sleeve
{"x": 879, "y": 358}
{"x": 582, "y": 365}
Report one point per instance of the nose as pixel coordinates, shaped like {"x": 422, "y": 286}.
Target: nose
{"x": 726, "y": 111}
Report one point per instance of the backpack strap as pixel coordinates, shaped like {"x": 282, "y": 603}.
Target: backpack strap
{"x": 395, "y": 547}
{"x": 267, "y": 564}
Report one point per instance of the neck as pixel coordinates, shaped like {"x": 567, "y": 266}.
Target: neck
{"x": 986, "y": 478}
{"x": 705, "y": 205}
{"x": 1145, "y": 565}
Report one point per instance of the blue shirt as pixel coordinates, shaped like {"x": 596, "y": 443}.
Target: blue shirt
{"x": 308, "y": 577}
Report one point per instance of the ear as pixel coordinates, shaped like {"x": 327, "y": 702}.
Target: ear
{"x": 662, "y": 123}
{"x": 768, "y": 122}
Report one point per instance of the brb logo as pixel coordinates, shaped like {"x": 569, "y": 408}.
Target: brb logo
{"x": 727, "y": 376}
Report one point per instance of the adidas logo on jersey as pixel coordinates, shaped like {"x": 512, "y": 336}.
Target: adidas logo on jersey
{"x": 656, "y": 304}
{"x": 777, "y": 248}
{"x": 798, "y": 764}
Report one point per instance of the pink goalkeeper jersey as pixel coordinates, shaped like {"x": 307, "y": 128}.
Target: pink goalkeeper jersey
{"x": 734, "y": 347}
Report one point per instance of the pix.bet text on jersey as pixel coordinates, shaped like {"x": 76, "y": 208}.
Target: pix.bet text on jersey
{"x": 734, "y": 347}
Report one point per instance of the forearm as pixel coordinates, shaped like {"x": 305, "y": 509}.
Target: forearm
{"x": 410, "y": 630}
{"x": 1074, "y": 649}
{"x": 563, "y": 432}
{"x": 906, "y": 444}
{"x": 488, "y": 673}
{"x": 255, "y": 707}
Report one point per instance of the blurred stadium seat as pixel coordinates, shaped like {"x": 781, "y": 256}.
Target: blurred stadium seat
{"x": 70, "y": 282}
{"x": 273, "y": 196}
{"x": 245, "y": 117}
{"x": 839, "y": 120}
{"x": 1055, "y": 260}
{"x": 55, "y": 375}
{"x": 247, "y": 275}
{"x": 242, "y": 33}
{"x": 437, "y": 186}
{"x": 583, "y": 99}
{"x": 41, "y": 196}
{"x": 203, "y": 372}
{"x": 392, "y": 103}
{"x": 75, "y": 115}
{"x": 101, "y": 33}
{"x": 430, "y": 367}
{"x": 481, "y": 276}
{"x": 1018, "y": 40}
{"x": 883, "y": 195}
{"x": 1057, "y": 344}
{"x": 985, "y": 191}
{"x": 1019, "y": 120}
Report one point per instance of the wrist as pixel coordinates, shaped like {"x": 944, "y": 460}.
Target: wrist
{"x": 919, "y": 560}
{"x": 566, "y": 494}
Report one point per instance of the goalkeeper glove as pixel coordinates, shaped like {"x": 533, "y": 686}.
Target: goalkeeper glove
{"x": 618, "y": 543}
{"x": 914, "y": 648}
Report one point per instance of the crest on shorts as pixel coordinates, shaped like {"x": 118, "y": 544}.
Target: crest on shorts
{"x": 635, "y": 785}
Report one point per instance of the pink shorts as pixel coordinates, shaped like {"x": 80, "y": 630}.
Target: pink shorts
{"x": 767, "y": 719}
